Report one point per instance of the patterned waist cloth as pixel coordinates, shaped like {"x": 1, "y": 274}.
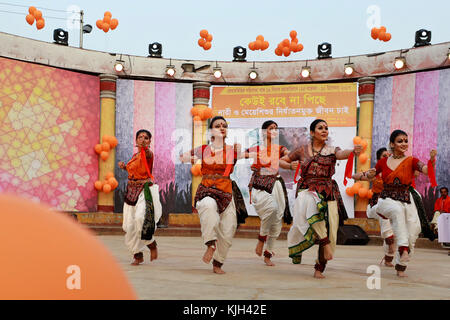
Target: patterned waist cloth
{"x": 396, "y": 191}
{"x": 134, "y": 189}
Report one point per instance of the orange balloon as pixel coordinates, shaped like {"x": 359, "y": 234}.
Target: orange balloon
{"x": 265, "y": 45}
{"x": 258, "y": 44}
{"x": 260, "y": 37}
{"x": 382, "y": 29}
{"x": 362, "y": 192}
{"x": 109, "y": 175}
{"x": 356, "y": 186}
{"x": 207, "y": 113}
{"x": 107, "y": 13}
{"x": 381, "y": 35}
{"x": 299, "y": 47}
{"x": 98, "y": 148}
{"x": 114, "y": 23}
{"x": 107, "y": 188}
{"x": 106, "y": 146}
{"x": 387, "y": 37}
{"x": 104, "y": 155}
{"x": 207, "y": 45}
{"x": 374, "y": 33}
{"x": 364, "y": 144}
{"x": 293, "y": 34}
{"x": 30, "y": 19}
{"x": 31, "y": 10}
{"x": 286, "y": 43}
{"x": 62, "y": 269}
{"x": 369, "y": 194}
{"x": 209, "y": 37}
{"x": 98, "y": 185}
{"x": 251, "y": 45}
{"x": 107, "y": 19}
{"x": 293, "y": 47}
{"x": 197, "y": 119}
{"x": 37, "y": 14}
{"x": 201, "y": 42}
{"x": 204, "y": 33}
{"x": 278, "y": 51}
{"x": 357, "y": 140}
{"x": 99, "y": 24}
{"x": 295, "y": 40}
{"x": 196, "y": 169}
{"x": 40, "y": 24}
{"x": 363, "y": 158}
{"x": 194, "y": 111}
{"x": 105, "y": 26}
{"x": 113, "y": 142}
{"x": 113, "y": 182}
{"x": 349, "y": 191}
{"x": 280, "y": 46}
{"x": 286, "y": 51}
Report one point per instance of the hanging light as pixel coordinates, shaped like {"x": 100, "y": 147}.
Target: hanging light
{"x": 253, "y": 74}
{"x": 349, "y": 68}
{"x": 170, "y": 70}
{"x": 217, "y": 72}
{"x": 399, "y": 63}
{"x": 306, "y": 72}
{"x": 119, "y": 66}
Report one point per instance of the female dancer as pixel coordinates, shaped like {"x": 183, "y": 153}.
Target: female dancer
{"x": 385, "y": 226}
{"x": 217, "y": 198}
{"x": 267, "y": 189}
{"x": 395, "y": 203}
{"x": 142, "y": 208}
{"x": 318, "y": 208}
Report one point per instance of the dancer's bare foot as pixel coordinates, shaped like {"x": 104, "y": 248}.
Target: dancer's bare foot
{"x": 268, "y": 262}
{"x": 405, "y": 256}
{"x": 218, "y": 270}
{"x": 388, "y": 264}
{"x": 153, "y": 254}
{"x": 208, "y": 254}
{"x": 138, "y": 259}
{"x": 259, "y": 248}
{"x": 318, "y": 275}
{"x": 327, "y": 253}
{"x": 401, "y": 274}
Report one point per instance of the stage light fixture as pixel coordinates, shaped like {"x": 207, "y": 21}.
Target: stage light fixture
{"x": 119, "y": 66}
{"x": 306, "y": 72}
{"x": 170, "y": 70}
{"x": 239, "y": 54}
{"x": 423, "y": 38}
{"x": 399, "y": 63}
{"x": 60, "y": 36}
{"x": 217, "y": 72}
{"x": 155, "y": 50}
{"x": 324, "y": 50}
{"x": 349, "y": 68}
{"x": 87, "y": 28}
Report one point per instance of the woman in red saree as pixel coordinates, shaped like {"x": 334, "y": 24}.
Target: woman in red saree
{"x": 218, "y": 200}
{"x": 318, "y": 208}
{"x": 268, "y": 193}
{"x": 397, "y": 201}
{"x": 142, "y": 208}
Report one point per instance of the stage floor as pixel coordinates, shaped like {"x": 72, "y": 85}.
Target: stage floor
{"x": 180, "y": 274}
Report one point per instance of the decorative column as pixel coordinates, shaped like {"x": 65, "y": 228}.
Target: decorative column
{"x": 107, "y": 126}
{"x": 366, "y": 98}
{"x": 201, "y": 101}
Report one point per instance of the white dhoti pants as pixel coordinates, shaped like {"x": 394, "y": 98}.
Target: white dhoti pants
{"x": 270, "y": 209}
{"x": 133, "y": 220}
{"x": 215, "y": 226}
{"x": 405, "y": 223}
{"x": 385, "y": 227}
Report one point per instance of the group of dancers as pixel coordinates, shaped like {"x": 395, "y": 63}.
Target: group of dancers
{"x": 318, "y": 210}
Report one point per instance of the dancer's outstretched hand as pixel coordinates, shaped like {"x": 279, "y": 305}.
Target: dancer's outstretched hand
{"x": 433, "y": 154}
{"x": 357, "y": 150}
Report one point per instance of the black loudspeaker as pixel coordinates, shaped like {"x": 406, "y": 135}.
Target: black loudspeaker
{"x": 352, "y": 235}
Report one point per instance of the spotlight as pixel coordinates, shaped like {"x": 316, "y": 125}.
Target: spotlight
{"x": 423, "y": 38}
{"x": 61, "y": 37}
{"x": 119, "y": 66}
{"x": 155, "y": 50}
{"x": 324, "y": 50}
{"x": 400, "y": 63}
{"x": 253, "y": 74}
{"x": 349, "y": 68}
{"x": 87, "y": 28}
{"x": 217, "y": 72}
{"x": 170, "y": 70}
{"x": 306, "y": 72}
{"x": 239, "y": 54}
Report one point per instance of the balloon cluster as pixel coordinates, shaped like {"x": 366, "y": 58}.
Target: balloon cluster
{"x": 205, "y": 39}
{"x": 107, "y": 22}
{"x": 285, "y": 47}
{"x": 201, "y": 114}
{"x": 108, "y": 184}
{"x": 380, "y": 34}
{"x": 259, "y": 44}
{"x": 358, "y": 189}
{"x": 108, "y": 143}
{"x": 35, "y": 14}
{"x": 363, "y": 157}
{"x": 196, "y": 169}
